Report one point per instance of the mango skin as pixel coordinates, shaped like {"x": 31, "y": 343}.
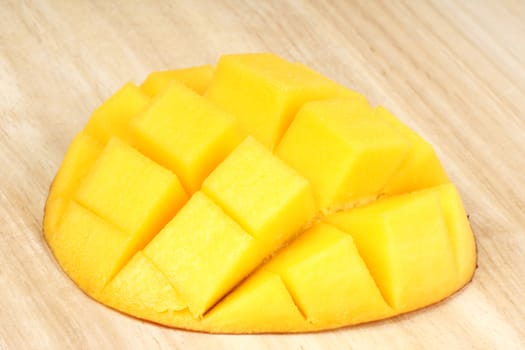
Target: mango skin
{"x": 290, "y": 246}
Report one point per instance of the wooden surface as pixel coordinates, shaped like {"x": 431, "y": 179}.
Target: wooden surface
{"x": 452, "y": 70}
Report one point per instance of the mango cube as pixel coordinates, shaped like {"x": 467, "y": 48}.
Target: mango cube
{"x": 131, "y": 191}
{"x": 405, "y": 243}
{"x": 343, "y": 149}
{"x": 196, "y": 78}
{"x": 257, "y": 197}
{"x": 112, "y": 117}
{"x": 420, "y": 169}
{"x": 255, "y": 305}
{"x": 89, "y": 249}
{"x": 53, "y": 214}
{"x": 203, "y": 252}
{"x": 140, "y": 285}
{"x": 186, "y": 133}
{"x": 460, "y": 233}
{"x": 80, "y": 156}
{"x": 323, "y": 263}
{"x": 265, "y": 196}
{"x": 265, "y": 91}
{"x": 142, "y": 289}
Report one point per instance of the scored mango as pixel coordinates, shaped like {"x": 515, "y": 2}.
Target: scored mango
{"x": 257, "y": 196}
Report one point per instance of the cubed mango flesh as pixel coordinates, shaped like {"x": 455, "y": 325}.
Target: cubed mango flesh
{"x": 185, "y": 133}
{"x": 143, "y": 290}
{"x": 349, "y": 292}
{"x": 460, "y": 233}
{"x": 112, "y": 118}
{"x": 255, "y": 305}
{"x": 131, "y": 191}
{"x": 141, "y": 285}
{"x": 89, "y": 249}
{"x": 269, "y": 199}
{"x": 82, "y": 153}
{"x": 203, "y": 252}
{"x": 265, "y": 91}
{"x": 406, "y": 243}
{"x": 256, "y": 197}
{"x": 344, "y": 150}
{"x": 421, "y": 167}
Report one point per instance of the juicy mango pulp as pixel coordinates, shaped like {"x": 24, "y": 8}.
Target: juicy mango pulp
{"x": 258, "y": 196}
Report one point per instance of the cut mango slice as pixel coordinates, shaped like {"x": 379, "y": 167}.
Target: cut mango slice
{"x": 256, "y": 197}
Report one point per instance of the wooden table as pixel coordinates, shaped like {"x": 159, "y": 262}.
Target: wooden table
{"x": 454, "y": 71}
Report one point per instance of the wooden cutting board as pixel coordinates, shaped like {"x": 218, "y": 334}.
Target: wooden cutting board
{"x": 454, "y": 71}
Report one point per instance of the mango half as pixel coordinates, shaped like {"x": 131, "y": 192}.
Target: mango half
{"x": 255, "y": 196}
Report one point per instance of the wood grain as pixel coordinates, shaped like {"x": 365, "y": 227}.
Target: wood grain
{"x": 452, "y": 70}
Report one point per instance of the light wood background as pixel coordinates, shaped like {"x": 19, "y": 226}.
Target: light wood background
{"x": 454, "y": 71}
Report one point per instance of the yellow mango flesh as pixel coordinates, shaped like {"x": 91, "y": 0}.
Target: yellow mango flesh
{"x": 358, "y": 151}
{"x": 406, "y": 243}
{"x": 349, "y": 292}
{"x": 143, "y": 290}
{"x": 131, "y": 191}
{"x": 265, "y": 91}
{"x": 195, "y": 78}
{"x": 420, "y": 169}
{"x": 279, "y": 201}
{"x": 268, "y": 199}
{"x": 256, "y": 305}
{"x": 89, "y": 249}
{"x": 113, "y": 116}
{"x": 461, "y": 237}
{"x": 80, "y": 156}
{"x": 203, "y": 252}
{"x": 142, "y": 287}
{"x": 185, "y": 133}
